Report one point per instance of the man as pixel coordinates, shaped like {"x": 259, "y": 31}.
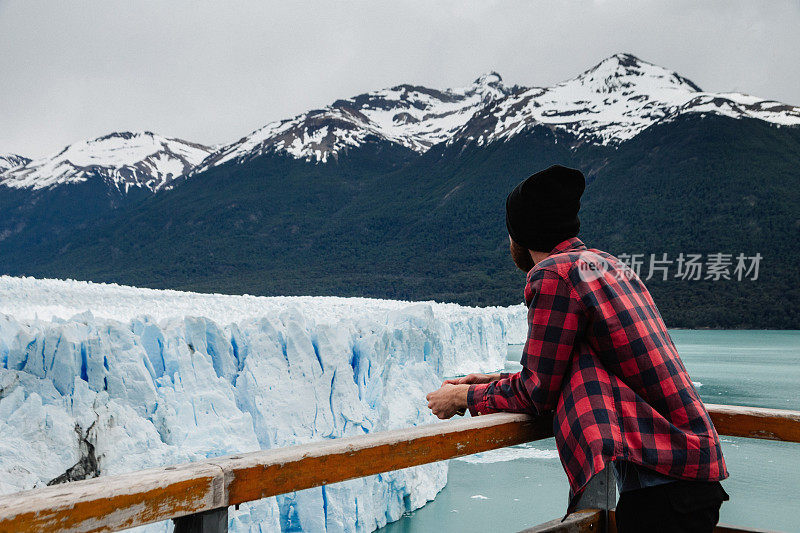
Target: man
{"x": 598, "y": 354}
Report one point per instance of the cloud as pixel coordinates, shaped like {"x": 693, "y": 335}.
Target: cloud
{"x": 213, "y": 71}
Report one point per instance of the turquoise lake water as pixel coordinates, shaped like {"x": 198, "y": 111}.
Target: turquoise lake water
{"x": 514, "y": 488}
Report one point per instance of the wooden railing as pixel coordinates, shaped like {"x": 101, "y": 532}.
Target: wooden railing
{"x": 197, "y": 495}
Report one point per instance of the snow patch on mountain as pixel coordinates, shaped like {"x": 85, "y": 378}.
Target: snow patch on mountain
{"x": 151, "y": 378}
{"x": 123, "y": 159}
{"x": 9, "y": 161}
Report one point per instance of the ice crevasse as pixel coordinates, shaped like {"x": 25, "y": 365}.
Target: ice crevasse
{"x": 102, "y": 379}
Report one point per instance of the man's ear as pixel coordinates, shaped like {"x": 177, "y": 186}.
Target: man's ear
{"x": 521, "y": 256}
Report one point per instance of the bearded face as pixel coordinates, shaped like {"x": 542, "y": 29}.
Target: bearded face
{"x": 522, "y": 258}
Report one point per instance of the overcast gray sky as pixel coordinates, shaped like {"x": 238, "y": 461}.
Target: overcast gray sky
{"x": 212, "y": 72}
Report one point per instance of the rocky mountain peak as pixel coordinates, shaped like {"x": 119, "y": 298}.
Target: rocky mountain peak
{"x": 626, "y": 72}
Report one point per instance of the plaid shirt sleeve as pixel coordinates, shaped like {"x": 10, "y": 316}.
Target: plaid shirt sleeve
{"x": 556, "y": 320}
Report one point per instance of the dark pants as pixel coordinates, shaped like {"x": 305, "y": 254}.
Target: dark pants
{"x": 681, "y": 506}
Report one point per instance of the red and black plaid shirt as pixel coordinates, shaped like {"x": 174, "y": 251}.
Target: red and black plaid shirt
{"x": 599, "y": 355}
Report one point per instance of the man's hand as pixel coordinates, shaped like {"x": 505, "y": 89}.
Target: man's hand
{"x": 472, "y": 378}
{"x": 448, "y": 400}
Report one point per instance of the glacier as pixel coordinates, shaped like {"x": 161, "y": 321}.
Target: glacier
{"x": 102, "y": 379}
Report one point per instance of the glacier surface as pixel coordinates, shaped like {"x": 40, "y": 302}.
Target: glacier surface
{"x": 111, "y": 379}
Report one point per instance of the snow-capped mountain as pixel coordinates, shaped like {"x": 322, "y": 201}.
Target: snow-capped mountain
{"x": 610, "y": 103}
{"x": 123, "y": 159}
{"x": 411, "y": 116}
{"x": 9, "y": 161}
{"x": 613, "y": 102}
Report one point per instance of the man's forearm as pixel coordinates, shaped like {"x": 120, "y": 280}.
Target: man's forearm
{"x": 506, "y": 394}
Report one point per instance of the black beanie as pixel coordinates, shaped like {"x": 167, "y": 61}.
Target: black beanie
{"x": 542, "y": 211}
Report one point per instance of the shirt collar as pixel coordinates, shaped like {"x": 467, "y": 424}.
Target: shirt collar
{"x": 573, "y": 243}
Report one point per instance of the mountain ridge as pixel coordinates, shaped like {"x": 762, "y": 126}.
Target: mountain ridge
{"x": 608, "y": 104}
{"x": 122, "y": 159}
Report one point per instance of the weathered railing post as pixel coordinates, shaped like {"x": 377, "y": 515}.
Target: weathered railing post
{"x": 600, "y": 493}
{"x": 213, "y": 521}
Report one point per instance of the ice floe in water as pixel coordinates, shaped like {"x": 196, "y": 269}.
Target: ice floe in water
{"x": 512, "y": 453}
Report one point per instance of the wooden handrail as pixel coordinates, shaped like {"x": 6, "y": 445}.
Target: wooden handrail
{"x": 578, "y": 522}
{"x": 756, "y": 422}
{"x": 311, "y": 465}
{"x": 118, "y": 502}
